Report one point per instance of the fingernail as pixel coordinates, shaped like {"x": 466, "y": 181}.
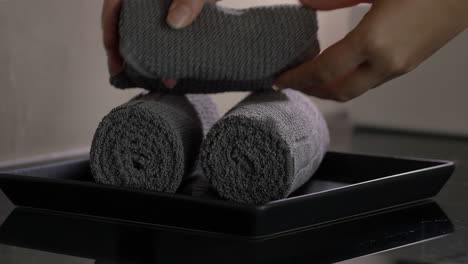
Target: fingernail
{"x": 278, "y": 87}
{"x": 179, "y": 15}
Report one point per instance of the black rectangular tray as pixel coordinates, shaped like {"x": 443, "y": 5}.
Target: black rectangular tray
{"x": 345, "y": 185}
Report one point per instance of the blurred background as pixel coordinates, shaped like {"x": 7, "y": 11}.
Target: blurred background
{"x": 54, "y": 82}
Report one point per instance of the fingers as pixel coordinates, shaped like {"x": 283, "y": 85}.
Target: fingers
{"x": 333, "y": 63}
{"x": 341, "y": 73}
{"x": 365, "y": 77}
{"x": 183, "y": 12}
{"x": 169, "y": 83}
{"x": 331, "y": 4}
{"x": 361, "y": 61}
{"x": 110, "y": 27}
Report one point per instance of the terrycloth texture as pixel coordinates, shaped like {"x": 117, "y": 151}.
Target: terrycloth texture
{"x": 151, "y": 142}
{"x": 265, "y": 147}
{"x": 223, "y": 50}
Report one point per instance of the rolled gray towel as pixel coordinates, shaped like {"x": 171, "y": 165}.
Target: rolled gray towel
{"x": 223, "y": 50}
{"x": 265, "y": 148}
{"x": 151, "y": 142}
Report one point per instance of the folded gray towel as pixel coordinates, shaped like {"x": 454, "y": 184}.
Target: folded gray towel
{"x": 227, "y": 49}
{"x": 151, "y": 142}
{"x": 266, "y": 147}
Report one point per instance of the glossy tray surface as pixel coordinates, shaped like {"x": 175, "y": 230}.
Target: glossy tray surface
{"x": 110, "y": 241}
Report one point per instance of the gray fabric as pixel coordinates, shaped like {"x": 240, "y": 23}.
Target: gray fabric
{"x": 184, "y": 86}
{"x": 265, "y": 148}
{"x": 223, "y": 50}
{"x": 151, "y": 142}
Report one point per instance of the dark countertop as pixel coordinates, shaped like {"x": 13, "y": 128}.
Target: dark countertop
{"x": 63, "y": 241}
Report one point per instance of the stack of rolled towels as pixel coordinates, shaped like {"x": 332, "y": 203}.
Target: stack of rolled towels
{"x": 262, "y": 150}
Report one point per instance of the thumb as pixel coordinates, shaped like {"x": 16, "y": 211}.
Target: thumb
{"x": 183, "y": 12}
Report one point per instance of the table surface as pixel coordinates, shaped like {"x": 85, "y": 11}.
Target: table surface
{"x": 449, "y": 249}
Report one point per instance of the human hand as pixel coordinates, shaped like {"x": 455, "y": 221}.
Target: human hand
{"x": 181, "y": 14}
{"x": 392, "y": 39}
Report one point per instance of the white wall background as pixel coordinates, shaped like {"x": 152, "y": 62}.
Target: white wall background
{"x": 53, "y": 80}
{"x": 53, "y": 77}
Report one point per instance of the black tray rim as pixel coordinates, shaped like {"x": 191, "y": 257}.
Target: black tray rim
{"x": 8, "y": 175}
